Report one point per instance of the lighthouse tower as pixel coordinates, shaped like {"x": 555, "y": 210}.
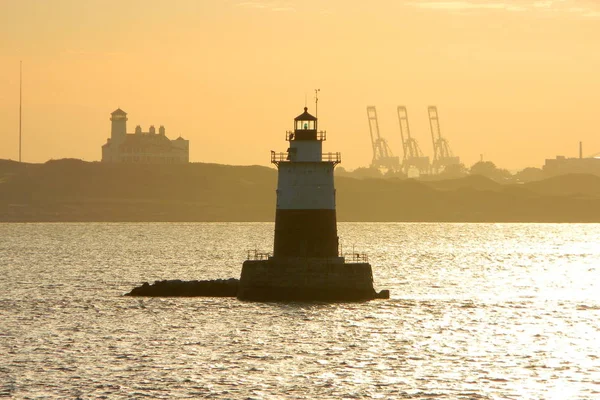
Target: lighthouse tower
{"x": 305, "y": 221}
{"x": 306, "y": 263}
{"x": 118, "y": 128}
{"x": 118, "y": 132}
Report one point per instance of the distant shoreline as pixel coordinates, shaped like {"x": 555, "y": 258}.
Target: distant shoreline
{"x": 78, "y": 191}
{"x": 266, "y": 222}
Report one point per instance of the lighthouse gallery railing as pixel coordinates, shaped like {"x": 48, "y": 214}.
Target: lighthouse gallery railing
{"x": 321, "y": 135}
{"x": 279, "y": 157}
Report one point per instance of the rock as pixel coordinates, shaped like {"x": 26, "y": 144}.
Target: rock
{"x": 179, "y": 288}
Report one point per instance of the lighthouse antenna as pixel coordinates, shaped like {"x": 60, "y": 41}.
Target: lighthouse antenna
{"x": 317, "y": 102}
{"x": 20, "y": 103}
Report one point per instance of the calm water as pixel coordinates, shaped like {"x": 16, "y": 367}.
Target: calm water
{"x": 478, "y": 311}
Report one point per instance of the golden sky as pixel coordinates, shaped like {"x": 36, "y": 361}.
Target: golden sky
{"x": 517, "y": 81}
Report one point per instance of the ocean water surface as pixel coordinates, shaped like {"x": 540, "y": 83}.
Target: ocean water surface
{"x": 478, "y": 311}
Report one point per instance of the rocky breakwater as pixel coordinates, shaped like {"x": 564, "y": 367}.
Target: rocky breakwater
{"x": 308, "y": 279}
{"x": 231, "y": 288}
{"x": 179, "y": 288}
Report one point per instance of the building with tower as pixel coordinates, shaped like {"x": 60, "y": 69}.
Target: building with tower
{"x": 142, "y": 147}
{"x": 306, "y": 263}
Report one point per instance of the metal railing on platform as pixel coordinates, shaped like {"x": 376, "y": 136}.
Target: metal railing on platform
{"x": 255, "y": 255}
{"x": 276, "y": 158}
{"x": 356, "y": 257}
{"x": 335, "y": 158}
{"x": 349, "y": 258}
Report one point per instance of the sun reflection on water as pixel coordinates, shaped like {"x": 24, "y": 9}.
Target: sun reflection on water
{"x": 478, "y": 311}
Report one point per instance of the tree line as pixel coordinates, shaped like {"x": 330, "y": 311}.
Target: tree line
{"x": 483, "y": 168}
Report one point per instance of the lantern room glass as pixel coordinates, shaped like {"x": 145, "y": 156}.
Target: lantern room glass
{"x": 305, "y": 125}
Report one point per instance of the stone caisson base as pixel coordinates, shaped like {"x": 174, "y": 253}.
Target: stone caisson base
{"x": 307, "y": 279}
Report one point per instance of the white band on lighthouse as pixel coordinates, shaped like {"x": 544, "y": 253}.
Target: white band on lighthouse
{"x": 305, "y": 186}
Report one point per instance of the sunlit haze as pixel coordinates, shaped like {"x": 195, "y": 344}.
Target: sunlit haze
{"x": 514, "y": 80}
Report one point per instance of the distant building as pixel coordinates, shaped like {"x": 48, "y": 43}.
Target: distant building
{"x": 562, "y": 165}
{"x": 142, "y": 147}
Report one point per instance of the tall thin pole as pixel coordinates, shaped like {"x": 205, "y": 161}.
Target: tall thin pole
{"x": 317, "y": 102}
{"x": 20, "y": 103}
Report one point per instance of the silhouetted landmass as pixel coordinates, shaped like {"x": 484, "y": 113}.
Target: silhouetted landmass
{"x": 476, "y": 182}
{"x": 74, "y": 190}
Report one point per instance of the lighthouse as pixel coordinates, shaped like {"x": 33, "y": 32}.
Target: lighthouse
{"x": 306, "y": 263}
{"x": 305, "y": 220}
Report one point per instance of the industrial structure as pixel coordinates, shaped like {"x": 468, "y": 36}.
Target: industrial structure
{"x": 413, "y": 156}
{"x": 306, "y": 263}
{"x": 413, "y": 159}
{"x": 562, "y": 165}
{"x": 382, "y": 154}
{"x": 442, "y": 155}
{"x": 142, "y": 147}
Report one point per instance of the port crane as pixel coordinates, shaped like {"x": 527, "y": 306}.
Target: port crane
{"x": 413, "y": 156}
{"x": 382, "y": 154}
{"x": 442, "y": 155}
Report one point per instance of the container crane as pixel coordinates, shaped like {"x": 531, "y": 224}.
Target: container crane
{"x": 442, "y": 155}
{"x": 413, "y": 156}
{"x": 382, "y": 154}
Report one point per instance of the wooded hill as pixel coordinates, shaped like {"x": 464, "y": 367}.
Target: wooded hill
{"x": 74, "y": 190}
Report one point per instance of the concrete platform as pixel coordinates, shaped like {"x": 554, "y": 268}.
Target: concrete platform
{"x": 307, "y": 279}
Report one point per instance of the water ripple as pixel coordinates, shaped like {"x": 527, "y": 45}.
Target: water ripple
{"x": 478, "y": 311}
